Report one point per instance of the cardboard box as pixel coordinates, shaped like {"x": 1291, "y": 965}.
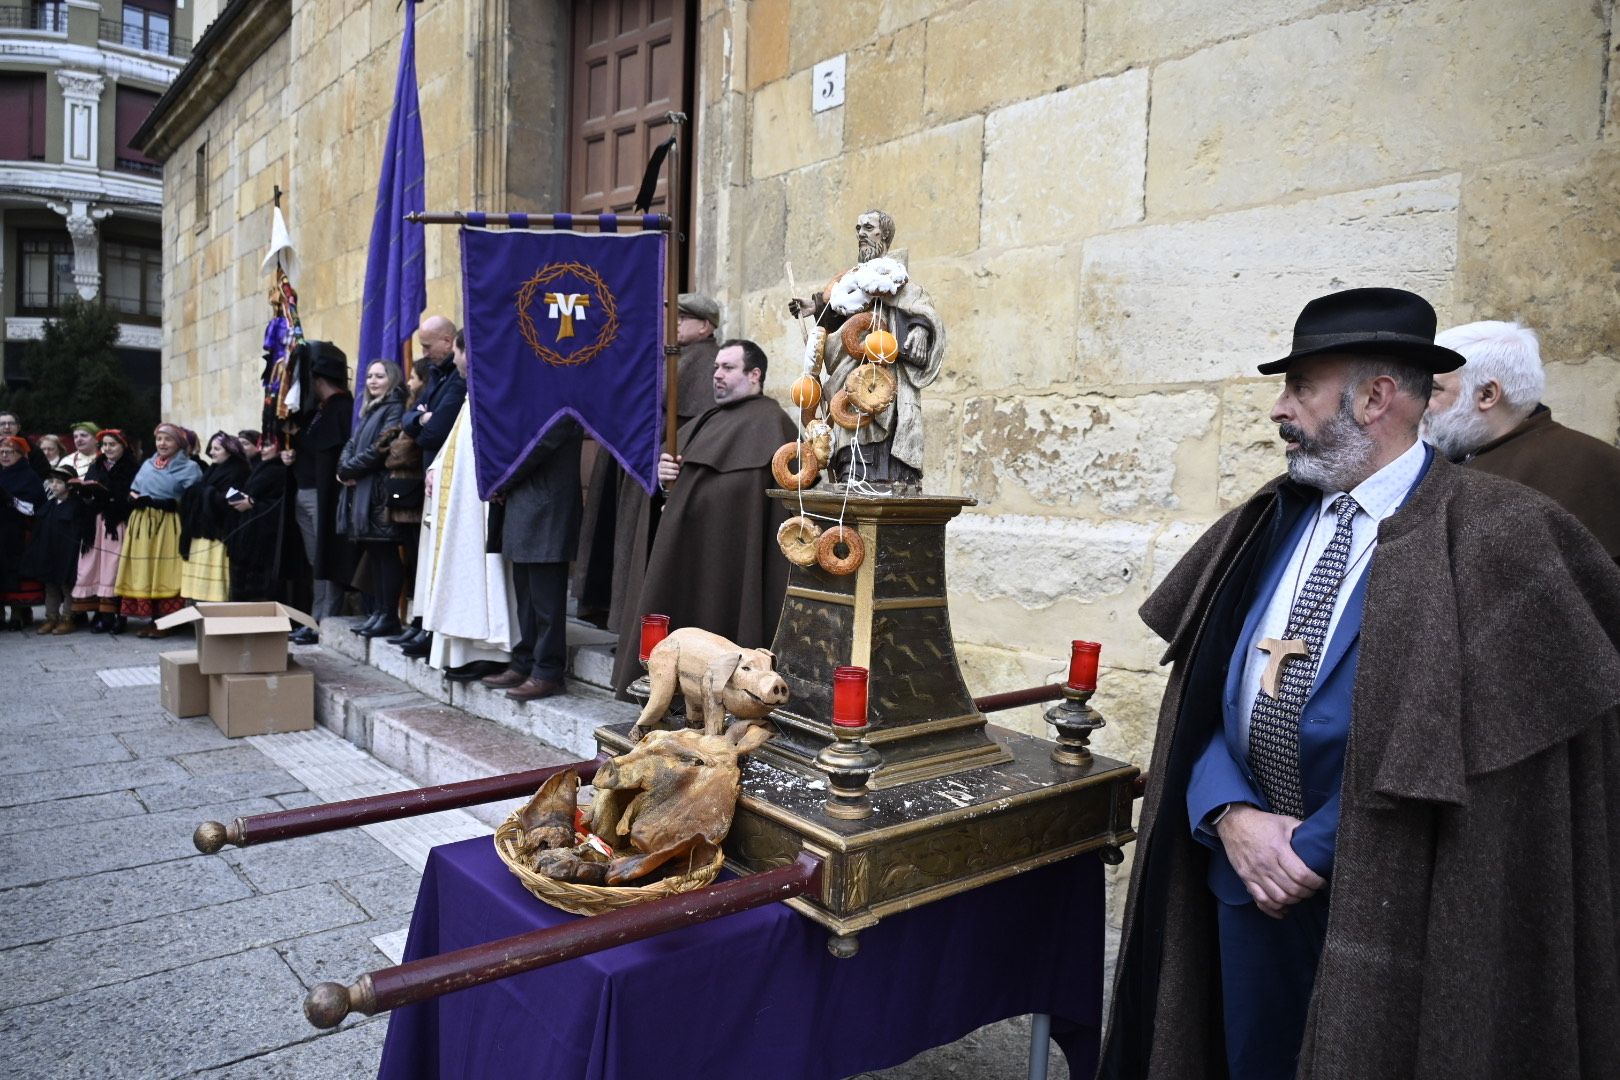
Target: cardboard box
{"x": 185, "y": 687}
{"x": 263, "y": 704}
{"x": 239, "y": 639}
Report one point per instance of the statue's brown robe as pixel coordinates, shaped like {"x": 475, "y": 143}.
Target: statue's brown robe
{"x": 714, "y": 562}
{"x": 1476, "y": 886}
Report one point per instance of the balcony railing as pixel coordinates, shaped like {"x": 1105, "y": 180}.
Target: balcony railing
{"x": 140, "y": 37}
{"x": 52, "y": 17}
{"x": 147, "y": 168}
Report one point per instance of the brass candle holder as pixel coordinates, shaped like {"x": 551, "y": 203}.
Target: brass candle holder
{"x": 849, "y": 760}
{"x": 1074, "y": 717}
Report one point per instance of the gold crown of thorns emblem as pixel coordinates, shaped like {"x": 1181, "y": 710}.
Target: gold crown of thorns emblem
{"x": 597, "y": 307}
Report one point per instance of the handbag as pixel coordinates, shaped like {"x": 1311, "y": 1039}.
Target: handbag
{"x": 403, "y": 492}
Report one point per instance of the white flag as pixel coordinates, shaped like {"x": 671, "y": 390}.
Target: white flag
{"x": 280, "y": 244}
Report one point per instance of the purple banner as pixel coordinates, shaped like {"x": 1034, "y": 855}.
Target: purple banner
{"x": 564, "y": 323}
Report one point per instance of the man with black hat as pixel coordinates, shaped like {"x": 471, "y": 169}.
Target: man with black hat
{"x": 1393, "y": 696}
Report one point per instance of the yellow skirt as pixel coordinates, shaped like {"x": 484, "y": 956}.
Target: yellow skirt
{"x": 206, "y": 575}
{"x": 149, "y": 566}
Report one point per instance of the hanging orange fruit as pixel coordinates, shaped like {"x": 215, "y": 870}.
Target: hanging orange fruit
{"x": 805, "y": 392}
{"x": 881, "y": 348}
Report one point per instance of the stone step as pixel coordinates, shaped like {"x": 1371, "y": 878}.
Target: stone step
{"x": 590, "y": 655}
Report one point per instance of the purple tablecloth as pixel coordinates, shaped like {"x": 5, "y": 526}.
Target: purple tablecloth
{"x": 755, "y": 994}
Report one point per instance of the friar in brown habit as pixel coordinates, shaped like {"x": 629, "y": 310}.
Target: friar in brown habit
{"x": 714, "y": 562}
{"x": 613, "y": 503}
{"x": 1465, "y": 902}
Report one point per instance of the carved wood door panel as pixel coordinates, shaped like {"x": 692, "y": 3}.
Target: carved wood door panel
{"x": 631, "y": 66}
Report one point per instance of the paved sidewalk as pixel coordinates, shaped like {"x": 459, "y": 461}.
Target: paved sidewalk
{"x": 125, "y": 953}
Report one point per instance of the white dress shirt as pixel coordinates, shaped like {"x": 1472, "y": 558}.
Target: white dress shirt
{"x": 1378, "y": 496}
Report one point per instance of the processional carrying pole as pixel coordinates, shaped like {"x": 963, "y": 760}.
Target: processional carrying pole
{"x": 211, "y": 836}
{"x": 672, "y": 347}
{"x": 389, "y": 988}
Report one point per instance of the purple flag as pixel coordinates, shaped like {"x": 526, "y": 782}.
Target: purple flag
{"x": 563, "y": 323}
{"x": 396, "y": 277}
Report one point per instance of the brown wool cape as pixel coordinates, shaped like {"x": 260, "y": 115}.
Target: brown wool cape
{"x": 1476, "y": 887}
{"x": 714, "y": 562}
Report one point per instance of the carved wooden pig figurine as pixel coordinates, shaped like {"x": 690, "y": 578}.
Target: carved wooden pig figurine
{"x": 672, "y": 795}
{"x": 714, "y": 675}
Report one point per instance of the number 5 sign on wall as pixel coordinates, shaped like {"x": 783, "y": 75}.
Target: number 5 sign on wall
{"x": 827, "y": 84}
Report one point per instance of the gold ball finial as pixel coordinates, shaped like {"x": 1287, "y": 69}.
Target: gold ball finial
{"x": 327, "y": 1004}
{"x": 209, "y": 837}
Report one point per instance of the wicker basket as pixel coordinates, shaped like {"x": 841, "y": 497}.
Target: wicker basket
{"x": 596, "y": 899}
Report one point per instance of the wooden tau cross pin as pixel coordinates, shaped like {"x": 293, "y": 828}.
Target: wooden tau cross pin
{"x": 1276, "y": 652}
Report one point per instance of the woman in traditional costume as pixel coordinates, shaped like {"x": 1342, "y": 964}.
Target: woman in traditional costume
{"x": 104, "y": 494}
{"x": 22, "y": 496}
{"x": 363, "y": 508}
{"x": 149, "y": 570}
{"x": 53, "y": 450}
{"x": 262, "y": 534}
{"x": 84, "y": 448}
{"x": 205, "y": 517}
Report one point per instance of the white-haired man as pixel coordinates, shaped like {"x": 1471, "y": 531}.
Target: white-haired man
{"x": 1488, "y": 415}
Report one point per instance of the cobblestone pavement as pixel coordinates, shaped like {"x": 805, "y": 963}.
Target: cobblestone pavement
{"x": 124, "y": 953}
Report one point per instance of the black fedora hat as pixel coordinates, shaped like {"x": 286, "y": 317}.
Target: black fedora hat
{"x": 1372, "y": 322}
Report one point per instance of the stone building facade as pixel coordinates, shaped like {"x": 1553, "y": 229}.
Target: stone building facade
{"x": 1118, "y": 206}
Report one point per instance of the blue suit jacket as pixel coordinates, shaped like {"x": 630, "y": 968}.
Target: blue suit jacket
{"x": 1222, "y": 775}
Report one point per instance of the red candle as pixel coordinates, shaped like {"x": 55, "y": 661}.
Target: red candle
{"x": 1083, "y": 665}
{"x": 654, "y": 628}
{"x": 849, "y": 697}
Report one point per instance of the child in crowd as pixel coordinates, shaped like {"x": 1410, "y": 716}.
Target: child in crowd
{"x": 53, "y": 550}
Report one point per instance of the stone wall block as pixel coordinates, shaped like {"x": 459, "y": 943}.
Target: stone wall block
{"x": 768, "y": 34}
{"x": 1086, "y": 453}
{"x": 989, "y": 669}
{"x": 993, "y": 52}
{"x": 1208, "y": 300}
{"x": 1010, "y": 318}
{"x": 883, "y": 96}
{"x": 1123, "y": 33}
{"x": 1363, "y": 97}
{"x": 1032, "y": 583}
{"x": 929, "y": 183}
{"x": 819, "y": 30}
{"x": 1251, "y": 453}
{"x": 759, "y": 215}
{"x": 1585, "y": 395}
{"x": 1525, "y": 225}
{"x": 786, "y": 134}
{"x": 1065, "y": 165}
{"x": 941, "y": 439}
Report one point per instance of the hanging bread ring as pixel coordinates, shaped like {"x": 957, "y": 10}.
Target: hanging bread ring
{"x": 870, "y": 388}
{"x": 843, "y": 413}
{"x": 827, "y": 557}
{"x": 809, "y": 468}
{"x": 797, "y": 538}
{"x": 853, "y": 333}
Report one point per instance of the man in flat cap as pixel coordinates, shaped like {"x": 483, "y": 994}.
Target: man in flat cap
{"x": 1378, "y": 838}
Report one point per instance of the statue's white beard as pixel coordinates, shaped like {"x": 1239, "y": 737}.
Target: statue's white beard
{"x": 1337, "y": 459}
{"x": 866, "y": 252}
{"x": 1458, "y": 431}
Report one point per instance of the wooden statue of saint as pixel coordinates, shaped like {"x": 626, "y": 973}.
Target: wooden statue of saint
{"x": 887, "y": 451}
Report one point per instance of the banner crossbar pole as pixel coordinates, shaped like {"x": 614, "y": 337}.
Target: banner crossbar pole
{"x": 477, "y": 219}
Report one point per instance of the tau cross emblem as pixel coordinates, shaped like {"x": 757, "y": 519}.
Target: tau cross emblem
{"x": 1276, "y": 652}
{"x": 567, "y": 307}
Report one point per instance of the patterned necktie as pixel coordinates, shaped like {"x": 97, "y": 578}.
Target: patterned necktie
{"x": 1274, "y": 723}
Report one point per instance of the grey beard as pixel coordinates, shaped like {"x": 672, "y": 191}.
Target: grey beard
{"x": 1458, "y": 431}
{"x": 1337, "y": 459}
{"x": 865, "y": 252}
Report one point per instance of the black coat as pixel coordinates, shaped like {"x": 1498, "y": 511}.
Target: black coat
{"x": 318, "y": 447}
{"x": 263, "y": 542}
{"x": 204, "y": 512}
{"x": 104, "y": 496}
{"x": 363, "y": 508}
{"x": 52, "y": 557}
{"x": 543, "y": 504}
{"x": 442, "y": 396}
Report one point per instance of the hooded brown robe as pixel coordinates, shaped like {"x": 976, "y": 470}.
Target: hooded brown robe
{"x": 1475, "y": 900}
{"x": 714, "y": 562}
{"x": 613, "y": 502}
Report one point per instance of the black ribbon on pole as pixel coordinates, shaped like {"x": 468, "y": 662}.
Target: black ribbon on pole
{"x": 649, "y": 179}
